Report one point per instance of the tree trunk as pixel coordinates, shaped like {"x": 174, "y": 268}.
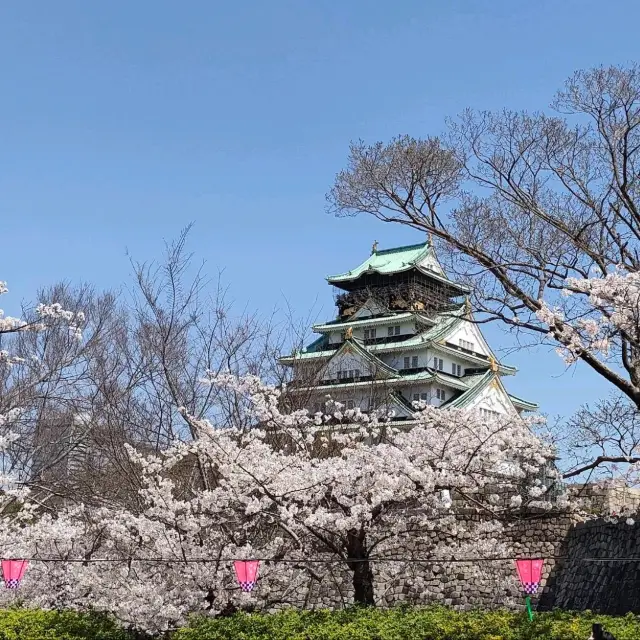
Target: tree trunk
{"x": 363, "y": 584}
{"x": 363, "y": 592}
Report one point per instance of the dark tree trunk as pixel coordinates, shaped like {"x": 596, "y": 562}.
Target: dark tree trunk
{"x": 363, "y": 584}
{"x": 363, "y": 592}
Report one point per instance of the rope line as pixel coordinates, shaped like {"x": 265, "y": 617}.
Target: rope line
{"x": 318, "y": 561}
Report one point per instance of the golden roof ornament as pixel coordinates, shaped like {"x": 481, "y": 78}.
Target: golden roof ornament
{"x": 467, "y": 306}
{"x": 374, "y": 247}
{"x": 348, "y": 334}
{"x": 493, "y": 364}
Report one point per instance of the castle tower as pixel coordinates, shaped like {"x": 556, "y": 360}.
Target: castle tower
{"x": 404, "y": 333}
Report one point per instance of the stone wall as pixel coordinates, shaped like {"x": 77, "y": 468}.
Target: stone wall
{"x": 584, "y": 582}
{"x": 481, "y": 584}
{"x": 606, "y": 500}
{"x": 462, "y": 585}
{"x": 574, "y": 578}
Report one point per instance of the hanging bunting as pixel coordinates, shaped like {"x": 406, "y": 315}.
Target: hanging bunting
{"x": 247, "y": 573}
{"x": 13, "y": 571}
{"x": 530, "y": 574}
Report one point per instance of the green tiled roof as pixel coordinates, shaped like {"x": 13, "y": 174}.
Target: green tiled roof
{"x": 388, "y": 261}
{"x": 366, "y": 322}
{"x": 475, "y": 379}
{"x": 347, "y": 385}
{"x": 437, "y": 376}
{"x": 402, "y": 401}
{"x": 419, "y": 376}
{"x": 463, "y": 355}
{"x": 355, "y": 345}
{"x": 444, "y": 323}
{"x": 389, "y": 382}
{"x": 316, "y": 345}
{"x": 471, "y": 386}
{"x": 523, "y": 404}
{"x": 476, "y": 384}
{"x": 379, "y": 348}
{"x": 397, "y": 260}
{"x": 463, "y": 383}
{"x": 307, "y": 355}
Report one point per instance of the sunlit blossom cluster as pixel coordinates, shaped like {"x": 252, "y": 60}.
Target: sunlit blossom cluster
{"x": 614, "y": 303}
{"x": 55, "y": 312}
{"x": 47, "y": 313}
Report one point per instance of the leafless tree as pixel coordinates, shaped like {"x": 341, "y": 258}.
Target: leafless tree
{"x": 144, "y": 352}
{"x": 519, "y": 202}
{"x": 48, "y": 378}
{"x": 607, "y": 433}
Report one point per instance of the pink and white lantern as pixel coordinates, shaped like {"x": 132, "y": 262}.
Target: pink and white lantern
{"x": 247, "y": 573}
{"x": 530, "y": 574}
{"x": 13, "y": 572}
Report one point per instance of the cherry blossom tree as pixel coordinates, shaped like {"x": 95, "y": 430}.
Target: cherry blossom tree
{"x": 339, "y": 487}
{"x": 24, "y": 372}
{"x": 538, "y": 213}
{"x": 342, "y": 487}
{"x": 604, "y": 438}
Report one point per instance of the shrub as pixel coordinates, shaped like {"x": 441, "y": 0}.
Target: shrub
{"x": 406, "y": 624}
{"x": 403, "y": 623}
{"x": 32, "y": 624}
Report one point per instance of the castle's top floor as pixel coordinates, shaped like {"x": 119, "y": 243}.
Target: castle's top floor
{"x": 400, "y": 263}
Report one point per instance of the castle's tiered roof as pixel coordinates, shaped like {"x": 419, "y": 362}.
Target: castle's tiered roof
{"x": 399, "y": 308}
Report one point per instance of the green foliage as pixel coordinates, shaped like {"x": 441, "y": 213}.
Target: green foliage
{"x": 27, "y": 624}
{"x": 406, "y": 624}
{"x": 403, "y": 623}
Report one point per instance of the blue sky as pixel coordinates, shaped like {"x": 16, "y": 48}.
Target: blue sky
{"x": 121, "y": 122}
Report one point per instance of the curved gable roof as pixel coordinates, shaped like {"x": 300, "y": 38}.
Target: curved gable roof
{"x": 389, "y": 261}
{"x": 354, "y": 345}
{"x": 477, "y": 384}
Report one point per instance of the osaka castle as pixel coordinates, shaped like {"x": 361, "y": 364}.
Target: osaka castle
{"x": 404, "y": 334}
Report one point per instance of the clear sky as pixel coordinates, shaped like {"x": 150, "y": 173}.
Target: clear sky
{"x": 121, "y": 122}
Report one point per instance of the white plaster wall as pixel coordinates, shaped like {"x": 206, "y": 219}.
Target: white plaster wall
{"x": 345, "y": 362}
{"x": 396, "y": 358}
{"x": 469, "y": 332}
{"x": 431, "y": 263}
{"x": 407, "y": 328}
{"x": 425, "y": 359}
{"x": 495, "y": 399}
